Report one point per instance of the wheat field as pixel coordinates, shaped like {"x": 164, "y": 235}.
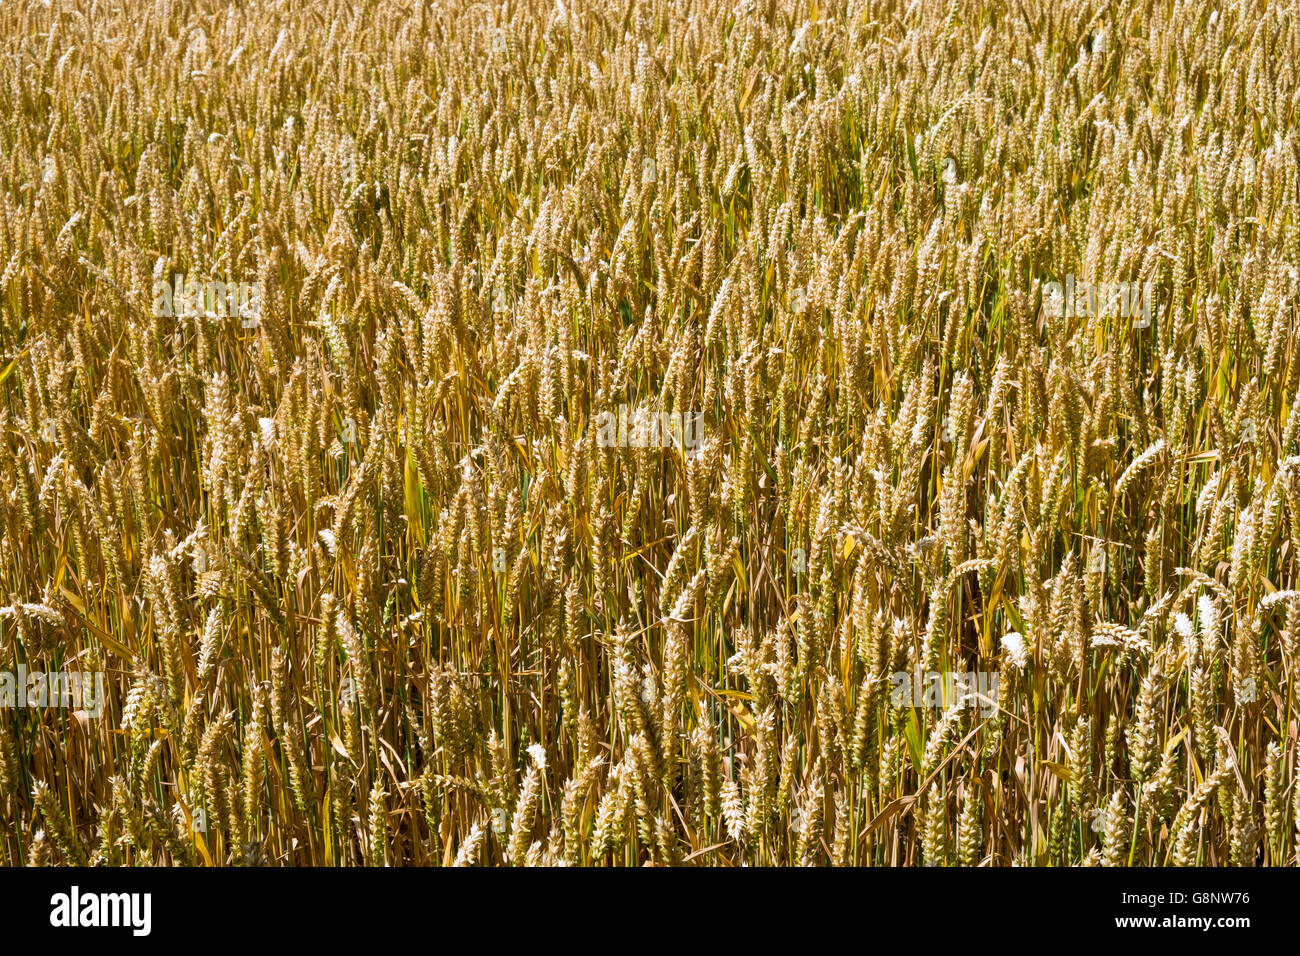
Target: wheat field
{"x": 655, "y": 432}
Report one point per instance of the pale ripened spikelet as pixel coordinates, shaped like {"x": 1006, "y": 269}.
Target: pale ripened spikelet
{"x": 970, "y": 832}
{"x": 811, "y": 819}
{"x": 1118, "y": 826}
{"x": 934, "y": 840}
{"x": 733, "y": 810}
{"x": 1142, "y": 743}
{"x": 530, "y": 794}
{"x": 253, "y": 772}
{"x": 1159, "y": 792}
{"x": 571, "y": 811}
{"x": 611, "y": 813}
{"x": 213, "y": 774}
{"x": 378, "y": 826}
{"x": 1275, "y": 797}
{"x": 1136, "y": 466}
{"x": 1201, "y": 796}
{"x": 709, "y": 769}
{"x": 209, "y": 645}
{"x": 1186, "y": 843}
{"x": 359, "y": 665}
{"x": 1083, "y": 783}
{"x": 39, "y": 851}
{"x": 844, "y": 835}
{"x": 472, "y": 846}
{"x": 942, "y": 736}
{"x": 58, "y": 825}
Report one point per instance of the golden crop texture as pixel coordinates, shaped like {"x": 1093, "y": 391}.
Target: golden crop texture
{"x": 649, "y": 432}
